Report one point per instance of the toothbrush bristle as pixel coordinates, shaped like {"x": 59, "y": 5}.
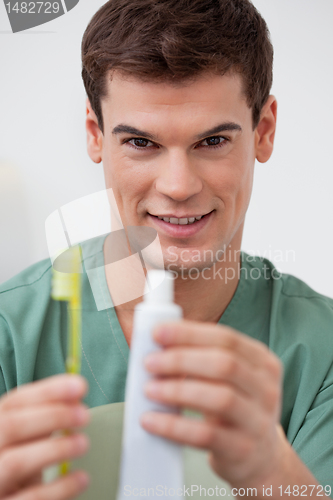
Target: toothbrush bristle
{"x": 63, "y": 286}
{"x": 64, "y": 277}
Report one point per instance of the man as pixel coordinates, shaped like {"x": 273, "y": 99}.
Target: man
{"x": 178, "y": 110}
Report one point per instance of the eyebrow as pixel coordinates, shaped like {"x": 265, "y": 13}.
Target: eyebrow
{"x": 223, "y": 127}
{"x": 127, "y": 129}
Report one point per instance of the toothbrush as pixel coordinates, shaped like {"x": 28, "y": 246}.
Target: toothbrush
{"x": 66, "y": 286}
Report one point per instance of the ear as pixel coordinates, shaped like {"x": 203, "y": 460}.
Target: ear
{"x": 265, "y": 131}
{"x": 94, "y": 135}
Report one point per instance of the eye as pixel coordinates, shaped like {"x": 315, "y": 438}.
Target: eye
{"x": 139, "y": 143}
{"x": 216, "y": 141}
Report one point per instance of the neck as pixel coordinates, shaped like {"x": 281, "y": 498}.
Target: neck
{"x": 207, "y": 297}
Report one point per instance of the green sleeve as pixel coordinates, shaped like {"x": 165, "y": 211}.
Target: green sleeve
{"x": 314, "y": 440}
{"x": 3, "y": 335}
{"x": 8, "y": 377}
{"x": 2, "y": 383}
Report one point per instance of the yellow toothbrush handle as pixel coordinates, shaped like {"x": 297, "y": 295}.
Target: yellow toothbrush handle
{"x": 64, "y": 467}
{"x": 73, "y": 360}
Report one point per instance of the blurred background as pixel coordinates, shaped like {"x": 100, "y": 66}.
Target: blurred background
{"x": 44, "y": 164}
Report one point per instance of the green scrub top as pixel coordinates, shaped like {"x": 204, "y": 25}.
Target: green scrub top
{"x": 293, "y": 320}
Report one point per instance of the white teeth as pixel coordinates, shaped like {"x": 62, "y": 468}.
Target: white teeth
{"x": 182, "y": 222}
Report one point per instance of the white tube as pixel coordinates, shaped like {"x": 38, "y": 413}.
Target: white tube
{"x": 148, "y": 462}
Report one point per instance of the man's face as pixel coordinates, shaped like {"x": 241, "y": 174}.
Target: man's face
{"x": 181, "y": 152}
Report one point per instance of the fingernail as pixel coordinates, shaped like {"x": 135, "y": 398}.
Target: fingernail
{"x": 162, "y": 333}
{"x": 153, "y": 389}
{"x": 82, "y": 415}
{"x": 81, "y": 442}
{"x": 153, "y": 361}
{"x": 75, "y": 385}
{"x": 83, "y": 479}
{"x": 147, "y": 420}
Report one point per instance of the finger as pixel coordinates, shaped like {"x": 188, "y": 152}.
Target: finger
{"x": 193, "y": 333}
{"x": 37, "y": 422}
{"x": 63, "y": 488}
{"x": 20, "y": 463}
{"x": 218, "y": 365}
{"x": 33, "y": 480}
{"x": 219, "y": 400}
{"x": 210, "y": 363}
{"x": 198, "y": 433}
{"x": 52, "y": 389}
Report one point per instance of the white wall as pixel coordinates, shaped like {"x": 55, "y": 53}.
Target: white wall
{"x": 42, "y": 135}
{"x": 292, "y": 204}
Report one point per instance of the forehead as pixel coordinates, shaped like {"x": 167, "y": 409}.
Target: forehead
{"x": 205, "y": 99}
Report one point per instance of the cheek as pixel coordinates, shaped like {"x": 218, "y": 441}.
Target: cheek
{"x": 129, "y": 180}
{"x": 233, "y": 176}
{"x": 243, "y": 189}
{"x": 235, "y": 182}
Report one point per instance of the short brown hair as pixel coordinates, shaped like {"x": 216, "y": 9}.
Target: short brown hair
{"x": 175, "y": 41}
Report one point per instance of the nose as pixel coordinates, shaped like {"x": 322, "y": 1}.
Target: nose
{"x": 178, "y": 177}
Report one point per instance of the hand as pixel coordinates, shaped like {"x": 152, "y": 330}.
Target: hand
{"x": 28, "y": 417}
{"x": 235, "y": 382}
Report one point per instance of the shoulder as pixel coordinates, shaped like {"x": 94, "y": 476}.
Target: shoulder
{"x": 297, "y": 313}
{"x": 298, "y": 300}
{"x": 26, "y": 293}
{"x": 305, "y": 313}
{"x": 27, "y": 277}
{"x": 32, "y": 277}
{"x": 24, "y": 308}
{"x": 295, "y": 288}
{"x": 287, "y": 289}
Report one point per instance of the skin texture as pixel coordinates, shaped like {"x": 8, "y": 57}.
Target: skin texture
{"x": 234, "y": 381}
{"x": 28, "y": 417}
{"x": 179, "y": 174}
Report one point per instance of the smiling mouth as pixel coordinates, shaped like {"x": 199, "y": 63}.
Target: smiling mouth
{"x": 183, "y": 221}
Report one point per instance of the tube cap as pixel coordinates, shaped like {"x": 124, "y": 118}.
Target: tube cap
{"x": 159, "y": 287}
